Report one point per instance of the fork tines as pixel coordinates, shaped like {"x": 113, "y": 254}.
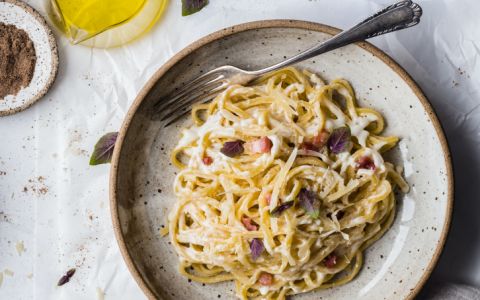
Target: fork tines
{"x": 173, "y": 106}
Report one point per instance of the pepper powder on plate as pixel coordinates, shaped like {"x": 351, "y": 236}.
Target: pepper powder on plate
{"x": 17, "y": 59}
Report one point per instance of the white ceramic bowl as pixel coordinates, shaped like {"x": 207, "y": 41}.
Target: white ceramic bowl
{"x": 395, "y": 267}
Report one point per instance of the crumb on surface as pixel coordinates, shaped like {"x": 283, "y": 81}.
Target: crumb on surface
{"x": 164, "y": 231}
{"x": 36, "y": 186}
{"x": 20, "y": 247}
{"x": 100, "y": 294}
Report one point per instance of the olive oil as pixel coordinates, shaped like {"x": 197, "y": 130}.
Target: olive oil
{"x": 82, "y": 20}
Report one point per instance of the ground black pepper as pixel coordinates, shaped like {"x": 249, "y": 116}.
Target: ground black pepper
{"x": 17, "y": 59}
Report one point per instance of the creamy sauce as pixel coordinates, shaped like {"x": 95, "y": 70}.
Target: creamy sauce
{"x": 263, "y": 290}
{"x": 358, "y": 125}
{"x": 317, "y": 81}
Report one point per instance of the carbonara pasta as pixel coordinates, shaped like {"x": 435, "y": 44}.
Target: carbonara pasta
{"x": 281, "y": 186}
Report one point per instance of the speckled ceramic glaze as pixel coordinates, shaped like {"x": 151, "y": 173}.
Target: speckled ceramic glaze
{"x": 395, "y": 267}
{"x": 25, "y": 17}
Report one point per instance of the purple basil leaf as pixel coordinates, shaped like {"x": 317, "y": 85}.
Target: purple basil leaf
{"x": 103, "y": 151}
{"x": 309, "y": 201}
{"x": 256, "y": 248}
{"x": 339, "y": 140}
{"x": 71, "y": 272}
{"x": 232, "y": 149}
{"x": 277, "y": 211}
{"x": 192, "y": 6}
{"x": 66, "y": 278}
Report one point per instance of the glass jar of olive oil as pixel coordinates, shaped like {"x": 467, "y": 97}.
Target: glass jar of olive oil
{"x": 105, "y": 23}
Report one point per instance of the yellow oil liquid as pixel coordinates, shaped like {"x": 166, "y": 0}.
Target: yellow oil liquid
{"x": 107, "y": 23}
{"x": 95, "y": 16}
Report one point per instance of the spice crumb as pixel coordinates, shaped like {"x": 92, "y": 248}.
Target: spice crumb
{"x": 100, "y": 294}
{"x": 20, "y": 248}
{"x": 164, "y": 231}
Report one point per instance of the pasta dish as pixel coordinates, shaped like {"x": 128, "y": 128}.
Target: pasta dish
{"x": 282, "y": 186}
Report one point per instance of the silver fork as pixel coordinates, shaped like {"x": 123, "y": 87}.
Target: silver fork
{"x": 395, "y": 17}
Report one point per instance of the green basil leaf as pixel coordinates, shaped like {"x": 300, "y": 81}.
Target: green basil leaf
{"x": 103, "y": 151}
{"x": 310, "y": 202}
{"x": 192, "y": 6}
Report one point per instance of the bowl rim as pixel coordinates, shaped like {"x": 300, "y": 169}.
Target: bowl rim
{"x": 275, "y": 24}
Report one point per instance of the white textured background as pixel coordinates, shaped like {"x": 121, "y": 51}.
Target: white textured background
{"x": 53, "y": 201}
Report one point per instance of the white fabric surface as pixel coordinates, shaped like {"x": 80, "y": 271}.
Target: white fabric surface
{"x": 63, "y": 217}
{"x": 448, "y": 291}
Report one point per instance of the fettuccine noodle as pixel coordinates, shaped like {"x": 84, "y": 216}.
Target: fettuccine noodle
{"x": 281, "y": 186}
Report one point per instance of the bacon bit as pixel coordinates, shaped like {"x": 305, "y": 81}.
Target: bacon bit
{"x": 365, "y": 162}
{"x": 207, "y": 160}
{"x": 261, "y": 145}
{"x": 321, "y": 139}
{"x": 265, "y": 279}
{"x": 330, "y": 261}
{"x": 268, "y": 198}
{"x": 317, "y": 142}
{"x": 307, "y": 146}
{"x": 249, "y": 224}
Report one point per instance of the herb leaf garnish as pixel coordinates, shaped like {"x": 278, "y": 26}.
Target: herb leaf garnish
{"x": 277, "y": 211}
{"x": 192, "y": 6}
{"x": 339, "y": 140}
{"x": 309, "y": 201}
{"x": 66, "y": 278}
{"x": 233, "y": 148}
{"x": 256, "y": 248}
{"x": 103, "y": 151}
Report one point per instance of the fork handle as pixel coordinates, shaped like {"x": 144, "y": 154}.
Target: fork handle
{"x": 395, "y": 17}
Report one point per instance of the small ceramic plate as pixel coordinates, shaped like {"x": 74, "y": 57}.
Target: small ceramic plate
{"x": 141, "y": 193}
{"x": 25, "y": 17}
